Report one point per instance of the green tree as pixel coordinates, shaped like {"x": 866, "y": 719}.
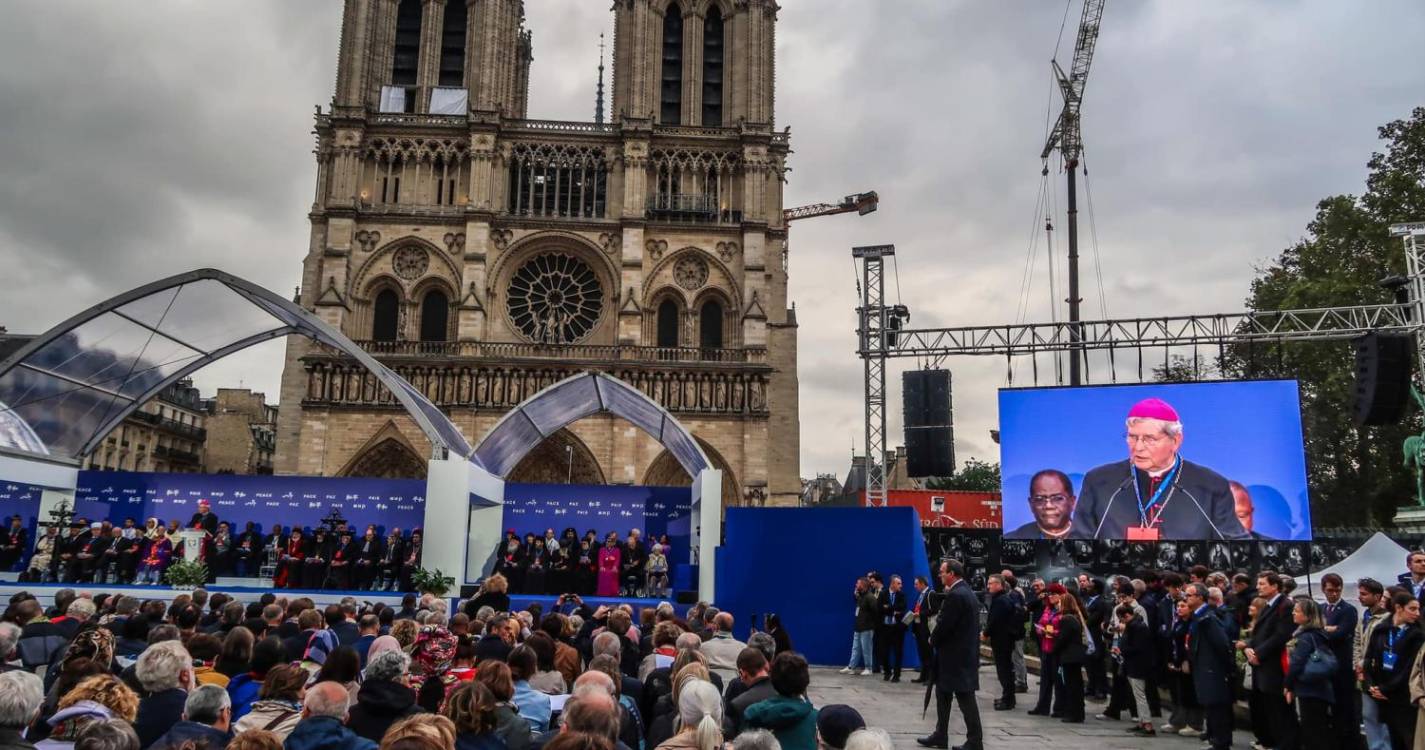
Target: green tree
{"x": 1355, "y": 474}
{"x": 975, "y": 475}
{"x": 1180, "y": 369}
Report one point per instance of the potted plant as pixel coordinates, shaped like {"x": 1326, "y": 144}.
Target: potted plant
{"x": 433, "y": 582}
{"x": 182, "y": 574}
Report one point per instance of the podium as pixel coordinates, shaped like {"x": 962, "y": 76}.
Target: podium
{"x": 192, "y": 543}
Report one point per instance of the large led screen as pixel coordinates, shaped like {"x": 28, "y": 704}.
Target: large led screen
{"x": 1216, "y": 460}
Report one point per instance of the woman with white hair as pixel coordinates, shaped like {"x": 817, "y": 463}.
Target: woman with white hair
{"x": 699, "y": 720}
{"x": 869, "y": 739}
{"x": 20, "y": 696}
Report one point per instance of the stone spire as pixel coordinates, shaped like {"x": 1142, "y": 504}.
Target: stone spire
{"x": 599, "y": 97}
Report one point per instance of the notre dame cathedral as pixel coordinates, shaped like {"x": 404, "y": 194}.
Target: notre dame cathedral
{"x": 485, "y": 255}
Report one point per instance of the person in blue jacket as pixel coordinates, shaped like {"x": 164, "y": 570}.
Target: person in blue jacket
{"x": 1312, "y": 694}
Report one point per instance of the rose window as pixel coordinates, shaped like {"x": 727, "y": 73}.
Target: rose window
{"x": 554, "y": 299}
{"x": 691, "y": 272}
{"x": 411, "y": 263}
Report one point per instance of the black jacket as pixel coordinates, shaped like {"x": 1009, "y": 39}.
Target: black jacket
{"x": 157, "y": 714}
{"x": 890, "y": 605}
{"x": 1212, "y": 660}
{"x": 379, "y": 704}
{"x": 1269, "y": 638}
{"x": 867, "y": 604}
{"x": 1097, "y": 610}
{"x": 1001, "y": 623}
{"x": 956, "y": 640}
{"x": 1069, "y": 641}
{"x": 1135, "y": 646}
{"x": 1394, "y": 683}
{"x": 1342, "y": 641}
{"x": 1197, "y": 505}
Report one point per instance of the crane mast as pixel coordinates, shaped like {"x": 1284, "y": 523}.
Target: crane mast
{"x": 1067, "y": 138}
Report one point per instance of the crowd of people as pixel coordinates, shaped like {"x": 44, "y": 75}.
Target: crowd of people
{"x": 115, "y": 672}
{"x": 568, "y": 563}
{"x": 1312, "y": 674}
{"x": 100, "y": 552}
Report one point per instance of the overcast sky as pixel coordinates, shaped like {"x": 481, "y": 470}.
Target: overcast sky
{"x": 142, "y": 139}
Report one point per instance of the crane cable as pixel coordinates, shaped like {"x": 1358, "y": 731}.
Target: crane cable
{"x": 1093, "y": 236}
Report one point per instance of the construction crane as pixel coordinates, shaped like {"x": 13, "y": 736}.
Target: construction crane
{"x": 861, "y": 203}
{"x": 1068, "y": 139}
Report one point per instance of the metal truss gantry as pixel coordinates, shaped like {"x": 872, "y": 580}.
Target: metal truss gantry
{"x": 1220, "y": 329}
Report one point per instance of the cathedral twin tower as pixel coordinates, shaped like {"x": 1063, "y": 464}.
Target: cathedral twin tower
{"x": 484, "y": 255}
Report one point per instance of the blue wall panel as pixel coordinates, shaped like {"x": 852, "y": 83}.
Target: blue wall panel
{"x": 802, "y": 563}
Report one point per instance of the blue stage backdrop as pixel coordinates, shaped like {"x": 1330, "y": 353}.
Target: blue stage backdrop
{"x": 1247, "y": 431}
{"x": 532, "y": 508}
{"x": 264, "y": 500}
{"x": 21, "y": 500}
{"x": 802, "y": 564}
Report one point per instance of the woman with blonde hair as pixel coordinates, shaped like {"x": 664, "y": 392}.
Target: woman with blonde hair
{"x": 405, "y": 632}
{"x": 699, "y": 716}
{"x": 420, "y": 732}
{"x": 494, "y": 593}
{"x": 95, "y": 699}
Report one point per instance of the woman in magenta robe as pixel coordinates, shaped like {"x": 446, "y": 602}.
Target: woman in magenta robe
{"x": 610, "y": 557}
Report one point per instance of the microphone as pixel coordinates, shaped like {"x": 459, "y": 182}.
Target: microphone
{"x": 1203, "y": 511}
{"x": 1104, "y": 518}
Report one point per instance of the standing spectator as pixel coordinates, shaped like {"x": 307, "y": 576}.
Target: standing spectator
{"x": 1135, "y": 662}
{"x": 1002, "y": 630}
{"x": 1375, "y": 611}
{"x": 1187, "y": 712}
{"x": 1046, "y": 628}
{"x": 279, "y": 706}
{"x": 1071, "y": 644}
{"x": 166, "y": 672}
{"x": 920, "y": 612}
{"x": 1024, "y": 617}
{"x": 892, "y": 612}
{"x": 1312, "y": 691}
{"x": 322, "y": 726}
{"x": 1264, "y": 652}
{"x": 1212, "y": 668}
{"x": 1387, "y": 664}
{"x": 1340, "y": 620}
{"x": 862, "y": 640}
{"x": 20, "y": 697}
{"x": 207, "y": 715}
{"x": 1098, "y": 612}
{"x": 385, "y": 696}
{"x": 956, "y": 640}
{"x": 780, "y": 638}
{"x": 1413, "y": 579}
{"x": 789, "y": 715}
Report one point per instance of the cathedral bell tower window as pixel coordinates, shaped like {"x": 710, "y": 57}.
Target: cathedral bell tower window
{"x": 400, "y": 96}
{"x": 712, "y": 69}
{"x": 452, "y": 45}
{"x": 385, "y": 316}
{"x": 672, "y": 77}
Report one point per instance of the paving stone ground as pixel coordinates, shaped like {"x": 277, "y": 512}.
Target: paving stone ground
{"x": 895, "y": 707}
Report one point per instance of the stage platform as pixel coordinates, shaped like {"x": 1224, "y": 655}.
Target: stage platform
{"x": 244, "y": 590}
{"x": 520, "y": 602}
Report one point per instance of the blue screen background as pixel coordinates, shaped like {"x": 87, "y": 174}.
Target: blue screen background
{"x": 1248, "y": 431}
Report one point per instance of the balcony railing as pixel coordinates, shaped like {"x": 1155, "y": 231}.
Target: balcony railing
{"x": 173, "y": 454}
{"x": 578, "y": 352}
{"x": 559, "y": 126}
{"x": 418, "y": 120}
{"x": 690, "y": 207}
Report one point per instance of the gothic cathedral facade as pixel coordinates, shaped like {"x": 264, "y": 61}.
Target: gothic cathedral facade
{"x": 485, "y": 255}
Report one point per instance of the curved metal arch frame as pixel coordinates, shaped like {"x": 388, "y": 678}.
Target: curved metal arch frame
{"x": 297, "y": 319}
{"x": 488, "y": 455}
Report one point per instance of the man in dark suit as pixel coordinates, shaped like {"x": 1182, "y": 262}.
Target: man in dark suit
{"x": 1264, "y": 652}
{"x": 1413, "y": 579}
{"x": 919, "y": 629}
{"x": 893, "y": 609}
{"x": 12, "y": 544}
{"x": 1213, "y": 665}
{"x": 1003, "y": 630}
{"x": 204, "y": 519}
{"x": 1341, "y": 619}
{"x": 368, "y": 559}
{"x": 956, "y": 640}
{"x": 1097, "y": 610}
{"x": 1155, "y": 494}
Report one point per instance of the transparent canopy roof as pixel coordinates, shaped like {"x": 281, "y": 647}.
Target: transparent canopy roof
{"x": 65, "y": 390}
{"x": 574, "y": 398}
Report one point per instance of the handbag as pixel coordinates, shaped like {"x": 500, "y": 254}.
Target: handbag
{"x": 1320, "y": 666}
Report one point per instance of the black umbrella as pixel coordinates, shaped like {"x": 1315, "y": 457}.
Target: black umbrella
{"x": 934, "y": 669}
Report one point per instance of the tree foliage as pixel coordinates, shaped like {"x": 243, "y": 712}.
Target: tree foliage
{"x": 974, "y": 475}
{"x": 1355, "y": 474}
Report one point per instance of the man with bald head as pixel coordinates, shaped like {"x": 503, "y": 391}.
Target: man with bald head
{"x": 722, "y": 649}
{"x": 323, "y": 723}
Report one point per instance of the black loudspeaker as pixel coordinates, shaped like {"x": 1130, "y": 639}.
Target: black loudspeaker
{"x": 1383, "y": 364}
{"x": 929, "y": 426}
{"x": 929, "y": 452}
{"x": 925, "y": 398}
{"x": 686, "y": 597}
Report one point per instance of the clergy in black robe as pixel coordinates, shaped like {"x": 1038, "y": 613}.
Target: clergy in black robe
{"x": 247, "y": 551}
{"x": 368, "y": 559}
{"x": 91, "y": 554}
{"x": 344, "y": 553}
{"x": 412, "y": 563}
{"x": 111, "y": 564}
{"x": 70, "y": 564}
{"x": 319, "y": 553}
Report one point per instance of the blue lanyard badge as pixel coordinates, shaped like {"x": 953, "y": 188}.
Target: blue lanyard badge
{"x": 1387, "y": 659}
{"x": 1158, "y": 496}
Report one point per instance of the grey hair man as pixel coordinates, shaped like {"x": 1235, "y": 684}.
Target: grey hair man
{"x": 756, "y": 739}
{"x": 109, "y": 734}
{"x": 323, "y": 724}
{"x": 607, "y": 643}
{"x": 81, "y": 609}
{"x": 165, "y": 670}
{"x": 392, "y": 666}
{"x": 207, "y": 717}
{"x": 869, "y": 739}
{"x": 9, "y": 638}
{"x": 593, "y": 712}
{"x": 21, "y": 694}
{"x": 594, "y": 681}
{"x": 763, "y": 642}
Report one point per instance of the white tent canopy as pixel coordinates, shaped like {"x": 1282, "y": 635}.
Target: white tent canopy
{"x": 1379, "y": 558}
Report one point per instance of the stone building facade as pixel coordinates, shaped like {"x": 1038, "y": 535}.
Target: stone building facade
{"x": 484, "y": 255}
{"x": 166, "y": 434}
{"x": 242, "y": 432}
